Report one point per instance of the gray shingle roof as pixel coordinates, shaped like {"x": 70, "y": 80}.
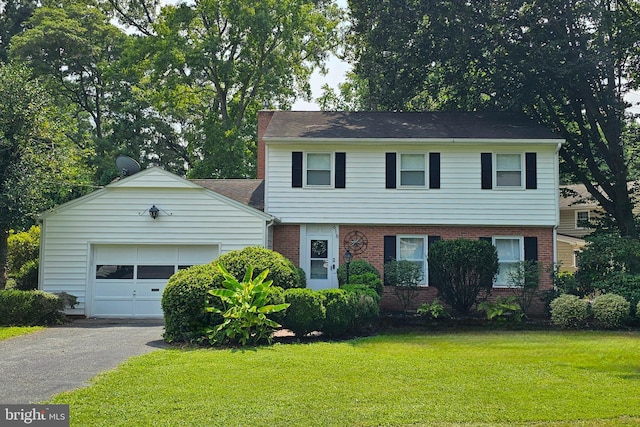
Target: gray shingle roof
{"x": 430, "y": 125}
{"x": 249, "y": 192}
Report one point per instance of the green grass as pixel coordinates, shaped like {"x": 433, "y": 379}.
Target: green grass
{"x": 468, "y": 378}
{"x": 14, "y": 331}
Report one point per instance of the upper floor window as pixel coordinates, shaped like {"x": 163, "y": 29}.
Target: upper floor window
{"x": 413, "y": 170}
{"x": 509, "y": 170}
{"x": 582, "y": 219}
{"x": 318, "y": 169}
{"x": 510, "y": 253}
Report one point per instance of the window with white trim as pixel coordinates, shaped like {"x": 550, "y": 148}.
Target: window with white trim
{"x": 413, "y": 249}
{"x": 582, "y": 219}
{"x": 510, "y": 253}
{"x": 412, "y": 170}
{"x": 509, "y": 170}
{"x": 318, "y": 169}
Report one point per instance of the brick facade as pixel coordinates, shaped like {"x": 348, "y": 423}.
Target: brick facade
{"x": 286, "y": 240}
{"x": 264, "y": 117}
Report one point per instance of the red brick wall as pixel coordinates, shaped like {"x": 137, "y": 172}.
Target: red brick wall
{"x": 264, "y": 117}
{"x": 286, "y": 240}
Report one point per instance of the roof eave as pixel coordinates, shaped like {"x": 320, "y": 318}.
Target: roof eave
{"x": 411, "y": 141}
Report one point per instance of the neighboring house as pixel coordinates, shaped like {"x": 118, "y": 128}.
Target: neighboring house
{"x": 381, "y": 185}
{"x": 577, "y": 210}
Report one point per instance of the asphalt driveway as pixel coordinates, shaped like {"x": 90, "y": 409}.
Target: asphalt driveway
{"x": 36, "y": 366}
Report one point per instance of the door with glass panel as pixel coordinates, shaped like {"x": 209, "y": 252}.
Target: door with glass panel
{"x": 321, "y": 261}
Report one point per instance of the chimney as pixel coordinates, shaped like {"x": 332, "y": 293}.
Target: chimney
{"x": 264, "y": 117}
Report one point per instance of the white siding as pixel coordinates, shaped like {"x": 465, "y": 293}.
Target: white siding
{"x": 189, "y": 216}
{"x": 459, "y": 201}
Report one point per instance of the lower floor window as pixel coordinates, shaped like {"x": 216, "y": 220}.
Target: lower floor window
{"x": 413, "y": 249}
{"x": 510, "y": 253}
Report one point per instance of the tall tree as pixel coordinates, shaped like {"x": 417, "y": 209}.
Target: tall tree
{"x": 212, "y": 64}
{"x": 39, "y": 165}
{"x": 568, "y": 64}
{"x": 13, "y": 14}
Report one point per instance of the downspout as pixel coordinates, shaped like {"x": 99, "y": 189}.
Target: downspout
{"x": 557, "y": 210}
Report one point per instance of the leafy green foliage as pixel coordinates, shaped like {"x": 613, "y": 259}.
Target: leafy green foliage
{"x": 405, "y": 278}
{"x": 433, "y": 310}
{"x": 281, "y": 271}
{"x": 610, "y": 311}
{"x": 363, "y": 290}
{"x": 524, "y": 281}
{"x": 340, "y": 312}
{"x": 183, "y": 303}
{"x": 569, "y": 311}
{"x": 370, "y": 280}
{"x": 26, "y": 279}
{"x": 306, "y": 312}
{"x": 23, "y": 247}
{"x": 245, "y": 320}
{"x": 503, "y": 309}
{"x": 357, "y": 268}
{"x": 29, "y": 308}
{"x": 462, "y": 270}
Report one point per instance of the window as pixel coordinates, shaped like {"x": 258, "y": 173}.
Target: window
{"x": 413, "y": 249}
{"x": 318, "y": 169}
{"x": 510, "y": 252}
{"x": 582, "y": 219}
{"x": 508, "y": 170}
{"x": 155, "y": 271}
{"x": 117, "y": 272}
{"x": 412, "y": 170}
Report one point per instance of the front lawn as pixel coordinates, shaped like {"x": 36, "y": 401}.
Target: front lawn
{"x": 14, "y": 331}
{"x": 471, "y": 378}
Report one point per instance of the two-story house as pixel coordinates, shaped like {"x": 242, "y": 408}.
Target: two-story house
{"x": 380, "y": 185}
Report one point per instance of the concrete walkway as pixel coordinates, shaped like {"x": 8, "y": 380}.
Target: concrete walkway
{"x": 36, "y": 366}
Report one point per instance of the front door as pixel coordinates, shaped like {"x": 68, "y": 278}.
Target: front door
{"x": 321, "y": 263}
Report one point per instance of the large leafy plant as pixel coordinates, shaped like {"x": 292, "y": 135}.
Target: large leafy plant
{"x": 246, "y": 306}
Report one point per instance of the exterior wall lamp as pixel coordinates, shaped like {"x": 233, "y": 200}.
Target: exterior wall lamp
{"x": 347, "y": 260}
{"x": 154, "y": 211}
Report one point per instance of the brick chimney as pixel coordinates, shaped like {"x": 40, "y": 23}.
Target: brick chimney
{"x": 264, "y": 117}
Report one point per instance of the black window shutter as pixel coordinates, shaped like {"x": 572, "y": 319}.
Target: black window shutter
{"x": 296, "y": 169}
{"x": 430, "y": 241}
{"x": 487, "y": 239}
{"x": 486, "y": 171}
{"x": 390, "y": 170}
{"x": 531, "y": 249}
{"x": 434, "y": 170}
{"x": 389, "y": 250}
{"x": 531, "y": 167}
{"x": 340, "y": 173}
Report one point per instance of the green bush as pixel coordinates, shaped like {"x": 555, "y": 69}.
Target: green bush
{"x": 306, "y": 312}
{"x": 610, "y": 311}
{"x": 356, "y": 267}
{"x": 281, "y": 271}
{"x": 22, "y": 247}
{"x": 183, "y": 304}
{"x": 569, "y": 311}
{"x": 405, "y": 278}
{"x": 302, "y": 276}
{"x": 363, "y": 290}
{"x": 26, "y": 278}
{"x": 366, "y": 308}
{"x": 29, "y": 308}
{"x": 503, "y": 309}
{"x": 462, "y": 269}
{"x": 370, "y": 280}
{"x": 433, "y": 310}
{"x": 275, "y": 297}
{"x": 340, "y": 312}
{"x": 245, "y": 320}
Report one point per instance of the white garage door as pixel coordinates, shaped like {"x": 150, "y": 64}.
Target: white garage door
{"x": 128, "y": 280}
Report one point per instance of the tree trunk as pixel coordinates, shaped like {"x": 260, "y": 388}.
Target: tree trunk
{"x": 4, "y": 250}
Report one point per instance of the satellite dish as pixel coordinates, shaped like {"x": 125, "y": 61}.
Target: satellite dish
{"x": 127, "y": 166}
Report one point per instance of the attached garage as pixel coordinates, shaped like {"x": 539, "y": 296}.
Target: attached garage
{"x": 108, "y": 251}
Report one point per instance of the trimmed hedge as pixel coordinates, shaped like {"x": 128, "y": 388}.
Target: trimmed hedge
{"x": 610, "y": 311}
{"x": 356, "y": 267}
{"x": 30, "y": 308}
{"x": 183, "y": 304}
{"x": 306, "y": 312}
{"x": 340, "y": 312}
{"x": 26, "y": 278}
{"x": 569, "y": 311}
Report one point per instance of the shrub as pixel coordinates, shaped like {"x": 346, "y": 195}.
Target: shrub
{"x": 245, "y": 320}
{"x": 302, "y": 276}
{"x": 306, "y": 312}
{"x": 610, "y": 310}
{"x": 569, "y": 311}
{"x": 281, "y": 271}
{"x": 22, "y": 247}
{"x": 503, "y": 309}
{"x": 29, "y": 308}
{"x": 524, "y": 281}
{"x": 362, "y": 290}
{"x": 356, "y": 267}
{"x": 275, "y": 297}
{"x": 462, "y": 269}
{"x": 183, "y": 304}
{"x": 405, "y": 278}
{"x": 367, "y": 313}
{"x": 433, "y": 310}
{"x": 370, "y": 280}
{"x": 340, "y": 312}
{"x": 26, "y": 279}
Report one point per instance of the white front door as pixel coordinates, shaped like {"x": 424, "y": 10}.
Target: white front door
{"x": 320, "y": 263}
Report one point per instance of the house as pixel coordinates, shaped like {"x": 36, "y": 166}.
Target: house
{"x": 577, "y": 210}
{"x": 378, "y": 185}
